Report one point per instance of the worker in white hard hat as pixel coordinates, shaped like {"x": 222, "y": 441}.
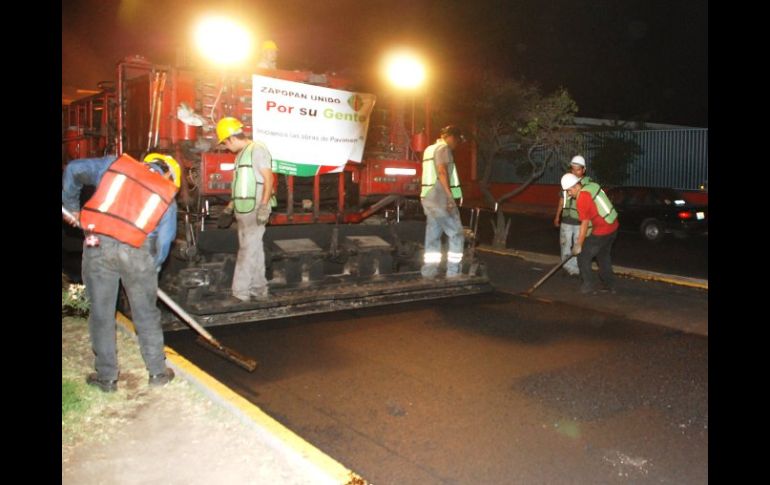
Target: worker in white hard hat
{"x": 252, "y": 188}
{"x": 598, "y": 229}
{"x": 566, "y": 218}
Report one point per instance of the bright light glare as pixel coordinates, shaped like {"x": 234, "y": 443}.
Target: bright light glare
{"x": 400, "y": 171}
{"x": 405, "y": 70}
{"x": 222, "y": 41}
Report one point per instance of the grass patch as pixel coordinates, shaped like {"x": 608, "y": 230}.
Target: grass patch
{"x": 89, "y": 414}
{"x": 72, "y": 398}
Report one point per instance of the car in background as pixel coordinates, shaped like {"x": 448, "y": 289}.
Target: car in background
{"x": 656, "y": 211}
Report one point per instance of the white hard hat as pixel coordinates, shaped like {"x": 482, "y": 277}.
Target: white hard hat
{"x": 578, "y": 160}
{"x": 568, "y": 180}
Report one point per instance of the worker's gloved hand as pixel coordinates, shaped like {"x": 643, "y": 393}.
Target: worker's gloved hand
{"x": 577, "y": 249}
{"x": 263, "y": 214}
{"x": 226, "y": 218}
{"x": 451, "y": 206}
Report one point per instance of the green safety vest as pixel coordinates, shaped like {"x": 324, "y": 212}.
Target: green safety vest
{"x": 603, "y": 205}
{"x": 245, "y": 182}
{"x": 569, "y": 205}
{"x": 430, "y": 176}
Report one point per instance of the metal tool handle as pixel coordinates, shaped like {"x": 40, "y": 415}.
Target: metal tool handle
{"x": 548, "y": 275}
{"x": 71, "y": 216}
{"x": 186, "y": 317}
{"x": 246, "y": 362}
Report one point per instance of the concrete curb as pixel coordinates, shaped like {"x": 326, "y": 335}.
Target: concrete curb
{"x": 621, "y": 270}
{"x": 323, "y": 468}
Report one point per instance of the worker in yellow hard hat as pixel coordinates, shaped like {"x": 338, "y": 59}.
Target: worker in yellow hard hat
{"x": 251, "y": 191}
{"x": 167, "y": 165}
{"x": 130, "y": 224}
{"x": 268, "y": 55}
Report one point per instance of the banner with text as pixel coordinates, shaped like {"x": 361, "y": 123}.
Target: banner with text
{"x": 309, "y": 129}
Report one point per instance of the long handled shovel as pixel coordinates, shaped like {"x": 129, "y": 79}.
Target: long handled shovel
{"x": 547, "y": 275}
{"x": 205, "y": 339}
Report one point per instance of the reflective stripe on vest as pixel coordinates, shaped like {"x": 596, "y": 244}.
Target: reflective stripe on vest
{"x": 245, "y": 182}
{"x": 430, "y": 176}
{"x": 112, "y": 193}
{"x": 569, "y": 205}
{"x": 129, "y": 202}
{"x": 603, "y": 205}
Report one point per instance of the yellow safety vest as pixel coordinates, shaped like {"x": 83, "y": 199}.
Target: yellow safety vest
{"x": 245, "y": 181}
{"x": 603, "y": 205}
{"x": 430, "y": 176}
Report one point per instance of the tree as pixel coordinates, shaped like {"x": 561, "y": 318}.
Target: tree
{"x": 613, "y": 155}
{"x": 512, "y": 115}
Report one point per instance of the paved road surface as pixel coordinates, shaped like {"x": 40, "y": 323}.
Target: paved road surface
{"x": 492, "y": 389}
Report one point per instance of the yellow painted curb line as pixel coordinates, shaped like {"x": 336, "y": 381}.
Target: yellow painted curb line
{"x": 323, "y": 462}
{"x": 653, "y": 276}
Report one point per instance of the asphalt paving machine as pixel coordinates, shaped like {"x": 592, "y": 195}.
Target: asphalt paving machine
{"x": 346, "y": 229}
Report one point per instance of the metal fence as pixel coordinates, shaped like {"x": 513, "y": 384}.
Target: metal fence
{"x": 675, "y": 158}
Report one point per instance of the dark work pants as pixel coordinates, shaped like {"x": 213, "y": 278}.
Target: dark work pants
{"x": 103, "y": 268}
{"x": 598, "y": 247}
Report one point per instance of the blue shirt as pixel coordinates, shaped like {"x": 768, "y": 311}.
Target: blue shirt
{"x": 89, "y": 171}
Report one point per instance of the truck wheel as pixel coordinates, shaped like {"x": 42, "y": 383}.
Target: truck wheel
{"x": 652, "y": 230}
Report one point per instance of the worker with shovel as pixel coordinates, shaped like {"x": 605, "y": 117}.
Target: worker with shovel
{"x": 129, "y": 223}
{"x": 598, "y": 229}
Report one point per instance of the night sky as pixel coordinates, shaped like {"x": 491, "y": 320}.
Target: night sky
{"x": 631, "y": 59}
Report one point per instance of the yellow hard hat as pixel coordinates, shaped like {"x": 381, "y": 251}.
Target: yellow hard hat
{"x": 173, "y": 165}
{"x": 269, "y": 45}
{"x": 227, "y": 127}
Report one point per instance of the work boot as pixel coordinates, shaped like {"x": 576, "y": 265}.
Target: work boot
{"x": 103, "y": 384}
{"x": 587, "y": 290}
{"x": 260, "y": 294}
{"x": 429, "y": 272}
{"x": 158, "y": 380}
{"x": 235, "y": 300}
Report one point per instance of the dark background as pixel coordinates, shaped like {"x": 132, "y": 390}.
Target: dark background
{"x": 630, "y": 59}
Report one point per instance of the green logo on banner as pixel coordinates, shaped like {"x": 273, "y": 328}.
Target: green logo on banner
{"x": 291, "y": 168}
{"x": 356, "y": 102}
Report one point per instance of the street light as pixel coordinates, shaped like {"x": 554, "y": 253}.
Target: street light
{"x": 406, "y": 71}
{"x": 223, "y": 41}
{"x": 225, "y": 44}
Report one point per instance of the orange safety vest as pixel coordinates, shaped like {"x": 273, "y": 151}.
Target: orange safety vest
{"x": 128, "y": 203}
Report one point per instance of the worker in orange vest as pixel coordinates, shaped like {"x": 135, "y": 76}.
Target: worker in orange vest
{"x": 130, "y": 223}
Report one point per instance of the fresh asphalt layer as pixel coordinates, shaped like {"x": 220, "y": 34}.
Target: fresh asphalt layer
{"x": 637, "y": 289}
